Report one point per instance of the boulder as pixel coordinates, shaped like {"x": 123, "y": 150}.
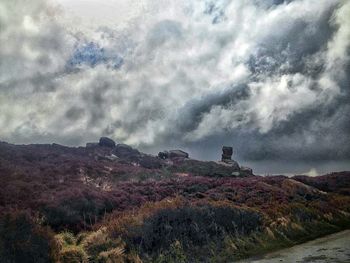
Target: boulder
{"x": 178, "y": 153}
{"x": 246, "y": 170}
{"x": 123, "y": 146}
{"x": 163, "y": 155}
{"x": 125, "y": 151}
{"x": 231, "y": 163}
{"x": 106, "y": 142}
{"x": 235, "y": 174}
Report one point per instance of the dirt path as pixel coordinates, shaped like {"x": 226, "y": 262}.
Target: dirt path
{"x": 334, "y": 248}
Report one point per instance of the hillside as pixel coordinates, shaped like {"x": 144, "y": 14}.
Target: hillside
{"x": 112, "y": 203}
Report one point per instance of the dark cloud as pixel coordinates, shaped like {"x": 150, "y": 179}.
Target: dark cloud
{"x": 193, "y": 112}
{"x": 74, "y": 113}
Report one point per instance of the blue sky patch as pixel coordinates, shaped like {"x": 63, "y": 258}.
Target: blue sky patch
{"x": 91, "y": 54}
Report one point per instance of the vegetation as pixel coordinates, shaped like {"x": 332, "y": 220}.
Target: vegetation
{"x": 60, "y": 204}
{"x": 23, "y": 239}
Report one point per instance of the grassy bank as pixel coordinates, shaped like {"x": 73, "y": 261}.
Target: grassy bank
{"x": 175, "y": 230}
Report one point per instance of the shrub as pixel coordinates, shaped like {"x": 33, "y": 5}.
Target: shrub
{"x": 99, "y": 242}
{"x": 24, "y": 240}
{"x": 302, "y": 213}
{"x": 67, "y": 238}
{"x": 73, "y": 254}
{"x": 175, "y": 254}
{"x": 115, "y": 255}
{"x": 194, "y": 226}
{"x": 76, "y": 210}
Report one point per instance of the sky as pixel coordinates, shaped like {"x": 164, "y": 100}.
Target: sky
{"x": 268, "y": 77}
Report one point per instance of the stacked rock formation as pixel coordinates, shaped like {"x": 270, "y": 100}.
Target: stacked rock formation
{"x": 226, "y": 153}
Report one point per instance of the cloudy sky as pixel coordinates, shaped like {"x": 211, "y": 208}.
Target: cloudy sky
{"x": 270, "y": 77}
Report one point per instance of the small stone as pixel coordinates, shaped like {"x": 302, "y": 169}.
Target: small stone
{"x": 235, "y": 173}
{"x": 246, "y": 170}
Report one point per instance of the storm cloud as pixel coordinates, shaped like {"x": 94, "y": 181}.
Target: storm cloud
{"x": 270, "y": 78}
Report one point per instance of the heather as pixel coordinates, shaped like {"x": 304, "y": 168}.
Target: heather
{"x": 110, "y": 204}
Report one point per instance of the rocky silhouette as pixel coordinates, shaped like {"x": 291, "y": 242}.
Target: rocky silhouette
{"x": 106, "y": 142}
{"x": 227, "y": 152}
{"x": 173, "y": 154}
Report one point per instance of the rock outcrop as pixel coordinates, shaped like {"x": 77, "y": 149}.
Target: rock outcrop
{"x": 247, "y": 170}
{"x": 163, "y": 155}
{"x": 173, "y": 154}
{"x": 226, "y": 159}
{"x": 227, "y": 152}
{"x": 178, "y": 153}
{"x": 126, "y": 151}
{"x": 106, "y": 142}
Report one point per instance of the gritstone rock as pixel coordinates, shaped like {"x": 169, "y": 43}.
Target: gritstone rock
{"x": 246, "y": 170}
{"x": 124, "y": 150}
{"x": 106, "y": 142}
{"x": 173, "y": 154}
{"x": 226, "y": 153}
{"x": 163, "y": 155}
{"x": 178, "y": 153}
